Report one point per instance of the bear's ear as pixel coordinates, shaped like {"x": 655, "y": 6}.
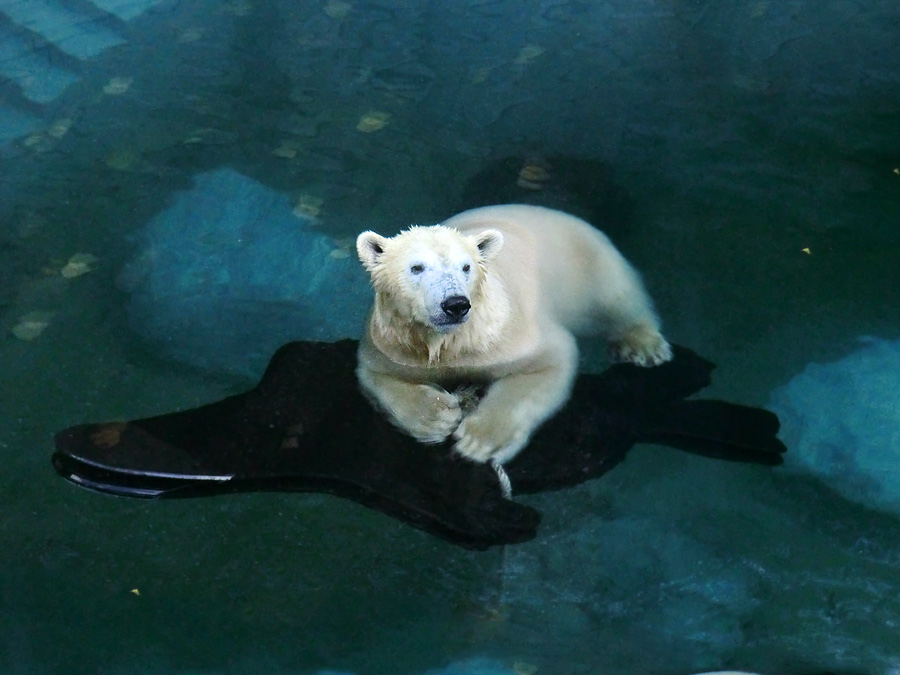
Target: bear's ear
{"x": 489, "y": 243}
{"x": 370, "y": 247}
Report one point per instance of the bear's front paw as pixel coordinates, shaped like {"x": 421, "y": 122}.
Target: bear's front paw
{"x": 432, "y": 417}
{"x": 482, "y": 437}
{"x": 643, "y": 347}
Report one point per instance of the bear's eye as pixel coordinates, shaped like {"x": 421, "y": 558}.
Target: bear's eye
{"x": 466, "y": 268}
{"x": 417, "y": 269}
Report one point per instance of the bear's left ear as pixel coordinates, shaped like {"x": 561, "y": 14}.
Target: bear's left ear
{"x": 370, "y": 247}
{"x": 489, "y": 243}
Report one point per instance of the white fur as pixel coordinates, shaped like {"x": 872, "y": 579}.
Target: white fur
{"x": 533, "y": 277}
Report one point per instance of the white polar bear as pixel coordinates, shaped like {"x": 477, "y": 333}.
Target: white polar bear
{"x": 493, "y": 296}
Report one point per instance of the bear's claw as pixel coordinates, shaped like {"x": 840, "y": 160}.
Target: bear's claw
{"x": 642, "y": 348}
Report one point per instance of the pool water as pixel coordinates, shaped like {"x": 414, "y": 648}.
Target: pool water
{"x": 178, "y": 178}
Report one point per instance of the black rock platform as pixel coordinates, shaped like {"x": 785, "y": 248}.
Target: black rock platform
{"x": 306, "y": 427}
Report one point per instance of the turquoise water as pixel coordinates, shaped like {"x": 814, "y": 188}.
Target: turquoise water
{"x": 752, "y": 152}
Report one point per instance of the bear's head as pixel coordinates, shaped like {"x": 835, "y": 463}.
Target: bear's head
{"x": 431, "y": 276}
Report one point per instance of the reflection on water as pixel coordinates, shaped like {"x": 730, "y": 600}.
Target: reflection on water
{"x": 749, "y": 155}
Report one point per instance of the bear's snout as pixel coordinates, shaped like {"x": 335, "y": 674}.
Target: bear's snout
{"x": 456, "y": 307}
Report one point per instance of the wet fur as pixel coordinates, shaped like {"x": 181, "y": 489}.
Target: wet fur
{"x": 536, "y": 276}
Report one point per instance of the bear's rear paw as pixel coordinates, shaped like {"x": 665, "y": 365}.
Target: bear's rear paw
{"x": 643, "y": 346}
{"x": 434, "y": 416}
{"x": 483, "y": 437}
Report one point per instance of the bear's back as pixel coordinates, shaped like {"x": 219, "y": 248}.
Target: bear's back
{"x": 552, "y": 262}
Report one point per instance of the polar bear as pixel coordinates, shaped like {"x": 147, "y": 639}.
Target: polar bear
{"x": 494, "y": 296}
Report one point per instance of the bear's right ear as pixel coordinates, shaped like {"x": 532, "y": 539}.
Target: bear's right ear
{"x": 370, "y": 247}
{"x": 489, "y": 243}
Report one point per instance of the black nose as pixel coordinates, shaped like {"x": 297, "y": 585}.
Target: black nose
{"x": 456, "y": 306}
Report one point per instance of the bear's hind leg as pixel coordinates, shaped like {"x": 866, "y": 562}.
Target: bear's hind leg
{"x": 625, "y": 315}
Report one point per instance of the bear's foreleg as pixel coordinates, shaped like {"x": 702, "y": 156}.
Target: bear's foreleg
{"x": 426, "y": 412}
{"x": 516, "y": 405}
